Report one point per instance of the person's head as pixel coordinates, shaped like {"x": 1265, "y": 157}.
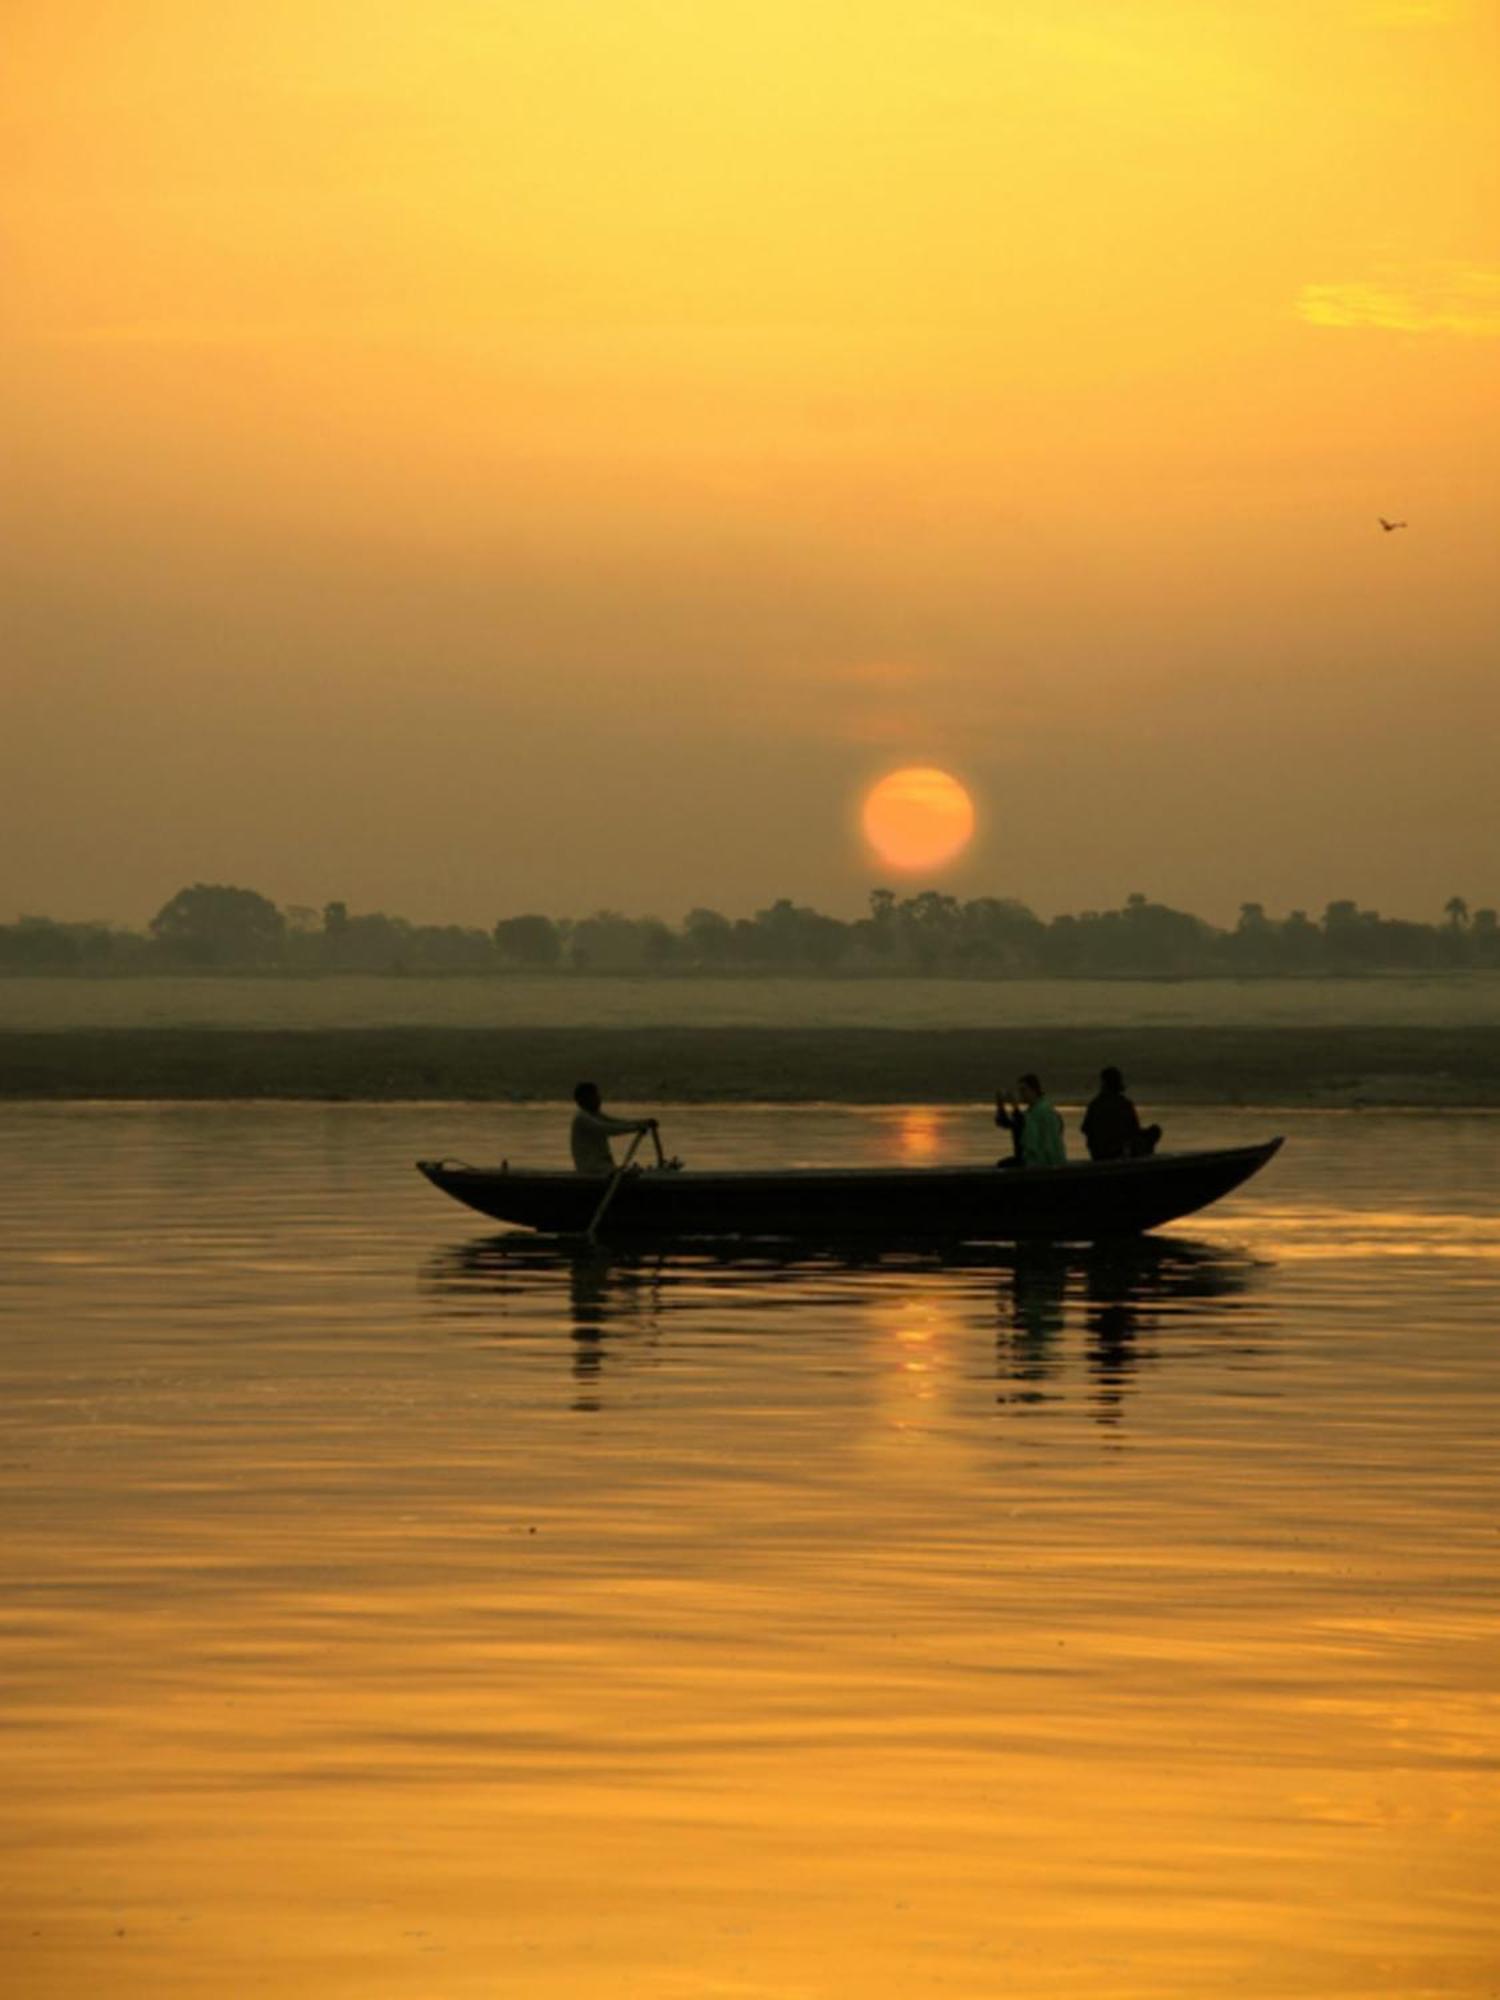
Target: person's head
{"x": 1029, "y": 1087}
{"x": 586, "y": 1096}
{"x": 1111, "y": 1079}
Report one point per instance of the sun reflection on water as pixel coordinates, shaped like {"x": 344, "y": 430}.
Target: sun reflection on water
{"x": 919, "y": 1136}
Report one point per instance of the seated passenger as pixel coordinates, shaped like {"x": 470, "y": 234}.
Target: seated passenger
{"x": 591, "y": 1129}
{"x": 1010, "y": 1118}
{"x": 1035, "y": 1128}
{"x": 1112, "y": 1126}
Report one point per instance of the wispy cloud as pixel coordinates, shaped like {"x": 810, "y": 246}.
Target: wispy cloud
{"x": 1453, "y": 299}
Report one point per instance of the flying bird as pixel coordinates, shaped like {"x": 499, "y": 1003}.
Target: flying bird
{"x": 1389, "y": 525}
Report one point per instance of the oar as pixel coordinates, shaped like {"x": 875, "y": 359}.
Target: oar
{"x": 614, "y": 1183}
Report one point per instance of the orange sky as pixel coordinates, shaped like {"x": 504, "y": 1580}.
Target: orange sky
{"x": 464, "y": 457}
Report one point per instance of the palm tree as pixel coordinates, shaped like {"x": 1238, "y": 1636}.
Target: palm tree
{"x": 1456, "y": 910}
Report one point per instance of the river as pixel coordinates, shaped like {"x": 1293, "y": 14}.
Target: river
{"x": 397, "y": 1610}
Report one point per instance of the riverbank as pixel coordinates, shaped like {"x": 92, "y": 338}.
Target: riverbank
{"x": 1269, "y": 1066}
{"x": 573, "y": 1000}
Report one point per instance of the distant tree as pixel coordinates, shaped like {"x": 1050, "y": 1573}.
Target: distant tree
{"x": 1062, "y": 947}
{"x": 220, "y": 927}
{"x": 36, "y": 944}
{"x": 305, "y": 950}
{"x": 928, "y": 927}
{"x": 529, "y": 940}
{"x": 212, "y": 924}
{"x": 39, "y": 945}
{"x": 102, "y": 950}
{"x": 1144, "y": 939}
{"x": 608, "y": 942}
{"x": 1484, "y": 937}
{"x": 790, "y": 936}
{"x": 373, "y": 943}
{"x": 707, "y": 937}
{"x": 1301, "y": 943}
{"x": 1408, "y": 947}
{"x": 998, "y": 934}
{"x": 450, "y": 948}
{"x": 1254, "y": 944}
{"x": 659, "y": 947}
{"x": 1347, "y": 935}
{"x": 873, "y": 938}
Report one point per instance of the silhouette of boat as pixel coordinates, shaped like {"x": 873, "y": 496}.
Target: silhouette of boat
{"x": 1079, "y": 1203}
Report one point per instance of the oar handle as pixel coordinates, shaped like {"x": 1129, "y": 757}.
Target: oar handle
{"x": 614, "y": 1183}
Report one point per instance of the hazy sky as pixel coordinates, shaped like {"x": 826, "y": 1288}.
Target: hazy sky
{"x": 465, "y": 455}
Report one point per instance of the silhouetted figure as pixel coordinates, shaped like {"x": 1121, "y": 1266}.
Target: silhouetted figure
{"x": 1112, "y": 1128}
{"x": 1036, "y": 1130}
{"x": 1390, "y": 526}
{"x": 1010, "y": 1117}
{"x": 592, "y": 1127}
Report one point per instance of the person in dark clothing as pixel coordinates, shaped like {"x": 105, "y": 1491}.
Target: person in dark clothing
{"x": 1112, "y": 1128}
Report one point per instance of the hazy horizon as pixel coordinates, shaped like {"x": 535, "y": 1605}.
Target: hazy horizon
{"x": 858, "y": 907}
{"x": 474, "y": 458}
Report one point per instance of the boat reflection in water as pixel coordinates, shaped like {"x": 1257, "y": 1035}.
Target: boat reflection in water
{"x": 1035, "y": 1316}
{"x": 1122, "y": 1297}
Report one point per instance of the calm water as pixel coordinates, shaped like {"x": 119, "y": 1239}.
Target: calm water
{"x": 401, "y": 1612}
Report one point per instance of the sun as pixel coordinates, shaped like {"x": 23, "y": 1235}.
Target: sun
{"x": 918, "y": 817}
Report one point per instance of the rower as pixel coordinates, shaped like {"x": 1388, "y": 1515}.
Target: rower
{"x": 592, "y": 1127}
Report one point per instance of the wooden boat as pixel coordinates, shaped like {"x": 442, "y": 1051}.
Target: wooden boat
{"x": 1078, "y": 1203}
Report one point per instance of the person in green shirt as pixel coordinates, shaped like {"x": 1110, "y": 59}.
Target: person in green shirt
{"x": 1033, "y": 1123}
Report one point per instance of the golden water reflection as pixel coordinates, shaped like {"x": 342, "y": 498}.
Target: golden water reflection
{"x": 392, "y": 1613}
{"x": 1088, "y": 1313}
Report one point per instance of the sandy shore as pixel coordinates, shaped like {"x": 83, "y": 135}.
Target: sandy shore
{"x": 1166, "y": 1065}
{"x": 578, "y": 1001}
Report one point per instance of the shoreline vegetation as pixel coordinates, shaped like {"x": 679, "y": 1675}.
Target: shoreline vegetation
{"x": 1274, "y": 1067}
{"x": 218, "y": 928}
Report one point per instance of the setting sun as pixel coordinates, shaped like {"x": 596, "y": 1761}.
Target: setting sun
{"x": 918, "y": 818}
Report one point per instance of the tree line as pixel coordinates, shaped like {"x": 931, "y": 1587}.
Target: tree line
{"x": 212, "y": 927}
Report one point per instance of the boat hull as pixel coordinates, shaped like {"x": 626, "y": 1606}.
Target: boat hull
{"x": 1070, "y": 1204}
